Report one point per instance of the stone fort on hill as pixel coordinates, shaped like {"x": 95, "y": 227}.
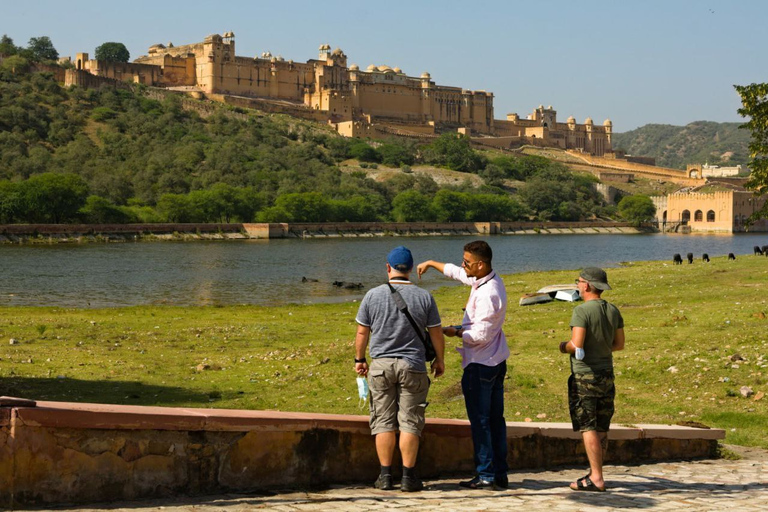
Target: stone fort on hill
{"x": 377, "y": 102}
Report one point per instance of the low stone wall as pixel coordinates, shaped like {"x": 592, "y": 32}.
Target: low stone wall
{"x": 68, "y": 453}
{"x": 55, "y": 233}
{"x": 363, "y": 229}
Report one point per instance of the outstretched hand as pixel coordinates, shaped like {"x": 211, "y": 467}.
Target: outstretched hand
{"x": 422, "y": 267}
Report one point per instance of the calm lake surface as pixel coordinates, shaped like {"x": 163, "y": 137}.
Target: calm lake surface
{"x": 271, "y": 271}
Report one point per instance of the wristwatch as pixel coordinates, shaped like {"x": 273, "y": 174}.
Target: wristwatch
{"x": 360, "y": 360}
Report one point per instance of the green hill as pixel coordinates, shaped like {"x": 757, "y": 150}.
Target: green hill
{"x": 116, "y": 156}
{"x": 698, "y": 142}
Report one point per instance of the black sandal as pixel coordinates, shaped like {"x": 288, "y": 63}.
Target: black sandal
{"x": 585, "y": 484}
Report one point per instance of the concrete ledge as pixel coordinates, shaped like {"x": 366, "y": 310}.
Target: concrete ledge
{"x": 65, "y": 453}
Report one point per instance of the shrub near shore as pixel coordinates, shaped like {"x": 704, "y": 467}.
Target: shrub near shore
{"x": 697, "y": 335}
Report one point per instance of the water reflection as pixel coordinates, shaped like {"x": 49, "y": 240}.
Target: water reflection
{"x": 271, "y": 271}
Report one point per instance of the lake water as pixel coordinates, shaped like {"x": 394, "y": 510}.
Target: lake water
{"x": 271, "y": 271}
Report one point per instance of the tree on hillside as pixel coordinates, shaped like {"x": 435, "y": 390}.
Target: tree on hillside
{"x": 6, "y": 46}
{"x": 112, "y": 52}
{"x": 754, "y": 100}
{"x": 411, "y": 206}
{"x": 637, "y": 209}
{"x": 12, "y": 66}
{"x": 455, "y": 152}
{"x": 52, "y": 197}
{"x": 41, "y": 48}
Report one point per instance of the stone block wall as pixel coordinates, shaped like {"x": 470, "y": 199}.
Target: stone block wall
{"x": 68, "y": 453}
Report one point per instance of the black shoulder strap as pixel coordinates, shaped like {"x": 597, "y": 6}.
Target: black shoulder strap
{"x": 400, "y": 303}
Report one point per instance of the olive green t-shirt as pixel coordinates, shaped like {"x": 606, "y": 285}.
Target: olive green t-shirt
{"x": 601, "y": 320}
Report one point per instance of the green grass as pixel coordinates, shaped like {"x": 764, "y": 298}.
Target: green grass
{"x": 684, "y": 324}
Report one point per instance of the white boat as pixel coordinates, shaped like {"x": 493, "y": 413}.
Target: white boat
{"x": 535, "y": 298}
{"x": 554, "y": 288}
{"x": 567, "y": 295}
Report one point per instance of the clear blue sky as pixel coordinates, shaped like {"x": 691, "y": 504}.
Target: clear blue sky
{"x": 635, "y": 62}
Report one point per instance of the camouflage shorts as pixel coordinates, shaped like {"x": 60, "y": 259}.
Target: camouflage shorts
{"x": 590, "y": 400}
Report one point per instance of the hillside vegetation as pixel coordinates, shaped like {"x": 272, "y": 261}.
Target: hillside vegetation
{"x": 113, "y": 156}
{"x": 700, "y": 142}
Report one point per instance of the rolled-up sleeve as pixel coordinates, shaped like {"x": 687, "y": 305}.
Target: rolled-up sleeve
{"x": 457, "y": 273}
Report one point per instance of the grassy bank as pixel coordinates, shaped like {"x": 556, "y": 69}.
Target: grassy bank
{"x": 695, "y": 335}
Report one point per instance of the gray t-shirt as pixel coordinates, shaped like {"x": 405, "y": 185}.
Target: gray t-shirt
{"x": 392, "y": 335}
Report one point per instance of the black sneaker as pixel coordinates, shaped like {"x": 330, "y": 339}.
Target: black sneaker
{"x": 477, "y": 483}
{"x": 501, "y": 482}
{"x": 411, "y": 484}
{"x": 384, "y": 482}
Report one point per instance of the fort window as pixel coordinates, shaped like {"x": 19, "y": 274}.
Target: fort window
{"x": 686, "y": 218}
{"x": 710, "y": 216}
{"x": 698, "y": 216}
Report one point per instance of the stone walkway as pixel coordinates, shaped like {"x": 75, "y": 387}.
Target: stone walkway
{"x": 735, "y": 485}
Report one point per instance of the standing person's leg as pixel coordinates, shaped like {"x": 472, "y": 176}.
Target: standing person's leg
{"x": 499, "y": 428}
{"x": 594, "y": 449}
{"x": 593, "y": 409}
{"x": 383, "y": 422}
{"x": 385, "y": 447}
{"x": 409, "y": 448}
{"x": 477, "y": 391}
{"x": 412, "y": 401}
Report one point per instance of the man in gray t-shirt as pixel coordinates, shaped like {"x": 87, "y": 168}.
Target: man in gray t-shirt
{"x": 397, "y": 375}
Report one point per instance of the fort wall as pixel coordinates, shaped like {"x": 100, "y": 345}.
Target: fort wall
{"x": 649, "y": 171}
{"x": 86, "y": 80}
{"x": 379, "y": 95}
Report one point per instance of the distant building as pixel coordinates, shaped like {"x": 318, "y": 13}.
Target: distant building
{"x": 713, "y": 171}
{"x": 715, "y": 212}
{"x": 376, "y": 102}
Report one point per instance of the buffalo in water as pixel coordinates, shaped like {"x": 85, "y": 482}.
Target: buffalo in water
{"x": 690, "y": 257}
{"x": 705, "y": 258}
{"x": 348, "y": 286}
{"x": 677, "y": 259}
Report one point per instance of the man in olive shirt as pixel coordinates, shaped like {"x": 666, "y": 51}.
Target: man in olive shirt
{"x": 597, "y": 330}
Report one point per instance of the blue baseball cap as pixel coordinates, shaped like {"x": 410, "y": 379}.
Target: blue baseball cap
{"x": 400, "y": 258}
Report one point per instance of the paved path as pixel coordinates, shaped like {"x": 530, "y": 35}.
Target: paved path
{"x": 740, "y": 485}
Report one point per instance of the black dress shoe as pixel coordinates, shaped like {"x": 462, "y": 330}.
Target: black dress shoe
{"x": 477, "y": 483}
{"x": 501, "y": 482}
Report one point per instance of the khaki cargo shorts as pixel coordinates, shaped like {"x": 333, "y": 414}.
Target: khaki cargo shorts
{"x": 398, "y": 396}
{"x": 590, "y": 400}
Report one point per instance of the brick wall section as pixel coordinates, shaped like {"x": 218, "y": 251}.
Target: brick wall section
{"x": 96, "y": 229}
{"x": 68, "y": 453}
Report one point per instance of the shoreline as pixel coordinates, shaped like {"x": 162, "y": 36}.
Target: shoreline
{"x": 120, "y": 233}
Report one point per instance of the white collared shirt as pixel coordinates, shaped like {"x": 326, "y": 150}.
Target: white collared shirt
{"x": 483, "y": 339}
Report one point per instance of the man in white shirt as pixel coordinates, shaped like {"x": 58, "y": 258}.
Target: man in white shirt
{"x": 484, "y": 353}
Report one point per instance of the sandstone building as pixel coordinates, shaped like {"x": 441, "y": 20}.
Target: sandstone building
{"x": 716, "y": 212}
{"x": 375, "y": 102}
